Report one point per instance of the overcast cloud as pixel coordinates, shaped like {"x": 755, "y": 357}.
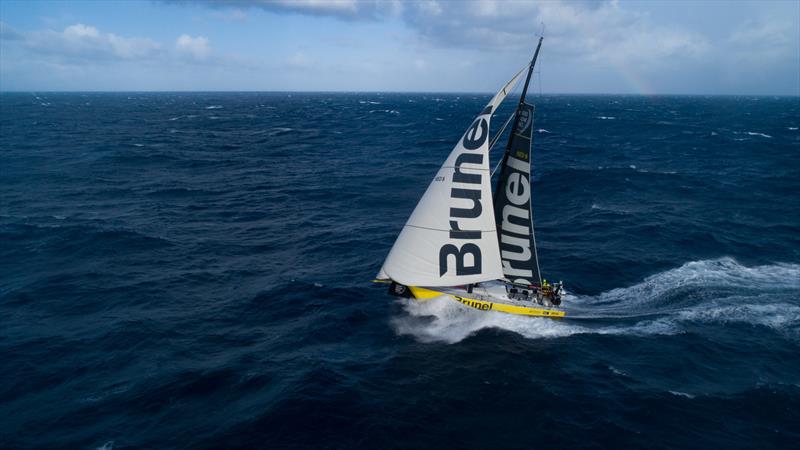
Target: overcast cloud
{"x": 591, "y": 46}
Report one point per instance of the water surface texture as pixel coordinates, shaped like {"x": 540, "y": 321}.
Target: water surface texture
{"x": 193, "y": 271}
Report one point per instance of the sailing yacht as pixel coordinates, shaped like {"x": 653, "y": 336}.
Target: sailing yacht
{"x": 468, "y": 243}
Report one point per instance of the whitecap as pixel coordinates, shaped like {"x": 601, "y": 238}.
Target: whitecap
{"x": 277, "y": 131}
{"x": 214, "y": 107}
{"x": 542, "y": 130}
{"x": 606, "y": 117}
{"x": 753, "y": 133}
{"x": 792, "y": 128}
{"x": 616, "y": 371}
{"x": 681, "y": 394}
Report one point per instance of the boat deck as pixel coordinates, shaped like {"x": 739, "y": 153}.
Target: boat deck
{"x": 489, "y": 296}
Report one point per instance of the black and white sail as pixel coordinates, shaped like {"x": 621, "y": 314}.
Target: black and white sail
{"x": 512, "y": 204}
{"x": 450, "y": 238}
{"x": 460, "y": 232}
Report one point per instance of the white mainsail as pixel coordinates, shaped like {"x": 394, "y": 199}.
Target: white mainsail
{"x": 451, "y": 238}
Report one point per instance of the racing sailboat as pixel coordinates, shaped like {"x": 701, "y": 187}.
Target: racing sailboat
{"x": 468, "y": 243}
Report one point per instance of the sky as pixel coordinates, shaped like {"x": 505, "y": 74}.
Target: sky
{"x": 623, "y": 47}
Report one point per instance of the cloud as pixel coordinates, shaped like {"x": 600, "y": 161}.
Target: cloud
{"x": 230, "y": 16}
{"x": 80, "y": 43}
{"x": 766, "y": 41}
{"x": 582, "y": 30}
{"x": 194, "y": 47}
{"x": 8, "y": 34}
{"x": 83, "y": 42}
{"x": 342, "y": 9}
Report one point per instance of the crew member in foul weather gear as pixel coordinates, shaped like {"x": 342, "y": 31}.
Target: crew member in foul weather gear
{"x": 545, "y": 288}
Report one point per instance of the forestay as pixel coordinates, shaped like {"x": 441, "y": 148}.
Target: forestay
{"x": 450, "y": 238}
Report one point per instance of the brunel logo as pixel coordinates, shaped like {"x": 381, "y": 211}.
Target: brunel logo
{"x": 483, "y": 306}
{"x": 474, "y": 139}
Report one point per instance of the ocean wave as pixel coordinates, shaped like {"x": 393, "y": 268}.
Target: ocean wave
{"x": 278, "y": 131}
{"x": 773, "y": 315}
{"x": 645, "y": 308}
{"x": 682, "y": 394}
{"x": 692, "y": 276}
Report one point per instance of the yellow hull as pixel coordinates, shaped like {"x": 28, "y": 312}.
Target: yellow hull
{"x": 423, "y": 294}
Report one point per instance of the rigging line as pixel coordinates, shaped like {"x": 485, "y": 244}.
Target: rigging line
{"x": 447, "y": 230}
{"x": 496, "y": 137}
{"x": 497, "y": 166}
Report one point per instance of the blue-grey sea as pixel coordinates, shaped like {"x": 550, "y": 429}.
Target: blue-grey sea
{"x": 192, "y": 270}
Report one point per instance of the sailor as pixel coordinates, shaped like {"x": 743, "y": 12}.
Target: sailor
{"x": 512, "y": 293}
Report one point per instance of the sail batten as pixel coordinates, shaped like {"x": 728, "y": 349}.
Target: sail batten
{"x": 451, "y": 238}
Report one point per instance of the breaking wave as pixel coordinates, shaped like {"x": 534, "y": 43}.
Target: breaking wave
{"x": 719, "y": 291}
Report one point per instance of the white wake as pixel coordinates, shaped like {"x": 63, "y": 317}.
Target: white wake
{"x": 711, "y": 291}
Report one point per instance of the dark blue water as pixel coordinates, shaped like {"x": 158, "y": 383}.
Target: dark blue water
{"x": 193, "y": 271}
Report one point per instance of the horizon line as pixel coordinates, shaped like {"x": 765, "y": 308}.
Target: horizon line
{"x": 167, "y": 91}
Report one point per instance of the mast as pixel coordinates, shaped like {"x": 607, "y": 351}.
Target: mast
{"x": 530, "y": 71}
{"x": 521, "y": 102}
{"x": 516, "y": 113}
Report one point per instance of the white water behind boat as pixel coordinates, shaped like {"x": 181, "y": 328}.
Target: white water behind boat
{"x": 709, "y": 291}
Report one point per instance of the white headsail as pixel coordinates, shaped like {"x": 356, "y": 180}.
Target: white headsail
{"x": 450, "y": 238}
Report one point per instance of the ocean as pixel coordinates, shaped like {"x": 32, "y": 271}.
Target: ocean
{"x": 193, "y": 270}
